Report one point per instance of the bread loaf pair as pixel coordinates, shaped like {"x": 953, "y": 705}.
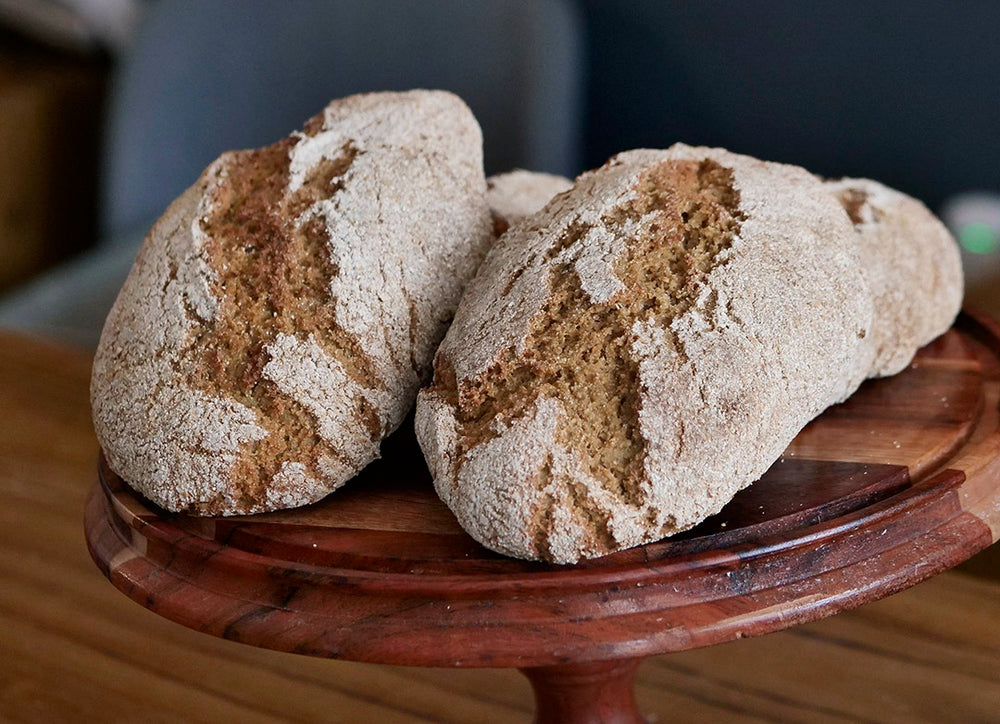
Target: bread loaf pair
{"x": 626, "y": 359}
{"x": 645, "y": 346}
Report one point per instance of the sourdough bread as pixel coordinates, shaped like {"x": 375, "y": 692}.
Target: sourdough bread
{"x": 909, "y": 260}
{"x": 648, "y": 344}
{"x": 517, "y": 194}
{"x": 282, "y": 314}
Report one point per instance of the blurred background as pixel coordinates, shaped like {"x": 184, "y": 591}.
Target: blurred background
{"x": 110, "y": 108}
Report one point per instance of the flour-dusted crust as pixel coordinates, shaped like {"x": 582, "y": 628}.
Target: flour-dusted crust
{"x": 283, "y": 312}
{"x": 630, "y": 357}
{"x": 911, "y": 264}
{"x": 517, "y": 194}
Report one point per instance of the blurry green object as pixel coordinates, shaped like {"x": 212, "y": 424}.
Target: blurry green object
{"x": 979, "y": 238}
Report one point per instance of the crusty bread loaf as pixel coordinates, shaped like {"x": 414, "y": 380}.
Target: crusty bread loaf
{"x": 911, "y": 265}
{"x": 283, "y": 312}
{"x": 649, "y": 343}
{"x": 517, "y": 194}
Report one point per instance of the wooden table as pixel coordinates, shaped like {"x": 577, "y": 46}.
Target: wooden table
{"x": 74, "y": 649}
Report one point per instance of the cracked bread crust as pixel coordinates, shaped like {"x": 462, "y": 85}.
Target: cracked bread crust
{"x": 634, "y": 354}
{"x": 282, "y": 314}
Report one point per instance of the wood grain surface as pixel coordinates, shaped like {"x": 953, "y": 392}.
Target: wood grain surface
{"x": 75, "y": 649}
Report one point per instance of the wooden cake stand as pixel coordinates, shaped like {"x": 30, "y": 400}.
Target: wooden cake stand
{"x": 897, "y": 484}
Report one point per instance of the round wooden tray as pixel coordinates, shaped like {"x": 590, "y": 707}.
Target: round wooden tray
{"x": 877, "y": 494}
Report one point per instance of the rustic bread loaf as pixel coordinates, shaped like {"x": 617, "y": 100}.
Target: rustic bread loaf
{"x": 910, "y": 262}
{"x": 517, "y": 194}
{"x": 282, "y": 314}
{"x": 649, "y": 343}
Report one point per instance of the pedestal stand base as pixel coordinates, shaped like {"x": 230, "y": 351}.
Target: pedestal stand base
{"x": 592, "y": 693}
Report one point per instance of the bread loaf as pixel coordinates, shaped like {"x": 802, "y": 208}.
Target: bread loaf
{"x": 282, "y": 314}
{"x": 911, "y": 265}
{"x": 517, "y": 194}
{"x": 648, "y": 344}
